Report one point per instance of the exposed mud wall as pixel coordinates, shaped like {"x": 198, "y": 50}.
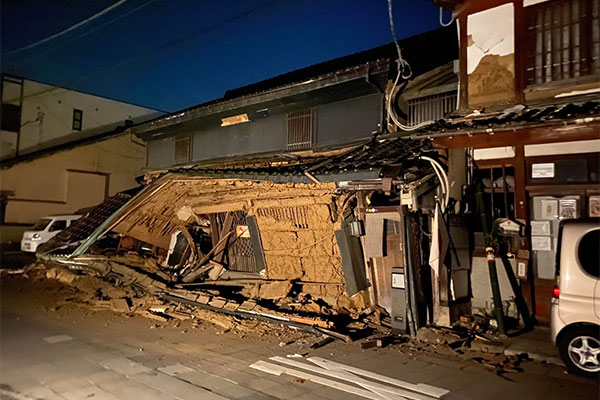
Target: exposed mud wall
{"x": 490, "y": 56}
{"x": 297, "y": 224}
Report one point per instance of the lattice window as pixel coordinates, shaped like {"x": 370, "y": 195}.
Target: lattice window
{"x": 182, "y": 149}
{"x": 431, "y": 108}
{"x": 300, "y": 130}
{"x": 298, "y": 215}
{"x": 563, "y": 40}
{"x": 240, "y": 254}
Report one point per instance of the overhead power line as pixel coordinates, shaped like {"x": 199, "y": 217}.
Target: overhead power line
{"x": 69, "y": 29}
{"x": 88, "y": 32}
{"x": 195, "y": 33}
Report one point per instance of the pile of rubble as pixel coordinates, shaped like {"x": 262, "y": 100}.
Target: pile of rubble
{"x": 120, "y": 288}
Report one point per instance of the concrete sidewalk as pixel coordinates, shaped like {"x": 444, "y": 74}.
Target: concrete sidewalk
{"x": 537, "y": 344}
{"x": 72, "y": 353}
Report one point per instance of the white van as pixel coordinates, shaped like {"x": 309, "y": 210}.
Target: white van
{"x": 575, "y": 323}
{"x": 44, "y": 230}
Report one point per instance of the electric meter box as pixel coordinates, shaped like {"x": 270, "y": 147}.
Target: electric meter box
{"x": 398, "y": 301}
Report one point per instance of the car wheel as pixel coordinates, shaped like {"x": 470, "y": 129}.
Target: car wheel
{"x": 579, "y": 349}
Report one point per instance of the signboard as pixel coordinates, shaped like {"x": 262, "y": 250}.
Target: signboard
{"x": 567, "y": 208}
{"x": 542, "y": 170}
{"x": 242, "y": 231}
{"x": 540, "y": 228}
{"x": 594, "y": 208}
{"x": 541, "y": 243}
{"x": 549, "y": 209}
{"x": 398, "y": 281}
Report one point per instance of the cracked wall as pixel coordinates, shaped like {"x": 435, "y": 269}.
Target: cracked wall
{"x": 297, "y": 224}
{"x": 490, "y": 56}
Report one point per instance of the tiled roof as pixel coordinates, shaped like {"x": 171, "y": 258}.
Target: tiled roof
{"x": 570, "y": 110}
{"x": 371, "y": 156}
{"x": 82, "y": 228}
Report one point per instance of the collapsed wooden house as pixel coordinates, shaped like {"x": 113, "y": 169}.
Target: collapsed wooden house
{"x": 317, "y": 248}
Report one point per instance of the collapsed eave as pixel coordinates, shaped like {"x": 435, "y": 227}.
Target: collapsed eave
{"x": 358, "y": 81}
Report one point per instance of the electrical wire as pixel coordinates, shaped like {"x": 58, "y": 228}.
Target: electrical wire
{"x": 404, "y": 72}
{"x": 88, "y": 32}
{"x": 69, "y": 29}
{"x": 442, "y": 177}
{"x": 442, "y": 23}
{"x": 197, "y": 32}
{"x": 403, "y": 65}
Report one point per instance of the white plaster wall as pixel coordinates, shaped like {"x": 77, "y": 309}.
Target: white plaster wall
{"x": 47, "y": 112}
{"x": 527, "y": 3}
{"x": 46, "y": 180}
{"x": 482, "y": 290}
{"x": 490, "y": 32}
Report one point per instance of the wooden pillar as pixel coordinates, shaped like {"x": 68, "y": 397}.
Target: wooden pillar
{"x": 520, "y": 181}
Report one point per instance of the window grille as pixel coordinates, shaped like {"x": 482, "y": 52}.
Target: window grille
{"x": 182, "y": 149}
{"x": 563, "y": 40}
{"x": 300, "y": 130}
{"x": 430, "y": 108}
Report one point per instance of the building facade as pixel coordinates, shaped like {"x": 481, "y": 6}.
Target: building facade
{"x": 62, "y": 151}
{"x": 527, "y": 128}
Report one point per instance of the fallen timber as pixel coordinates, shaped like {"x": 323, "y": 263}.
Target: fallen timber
{"x": 143, "y": 283}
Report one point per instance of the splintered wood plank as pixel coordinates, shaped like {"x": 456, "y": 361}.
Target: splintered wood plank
{"x": 275, "y": 369}
{"x": 425, "y": 389}
{"x": 226, "y": 230}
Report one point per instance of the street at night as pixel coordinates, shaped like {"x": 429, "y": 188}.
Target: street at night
{"x": 370, "y": 199}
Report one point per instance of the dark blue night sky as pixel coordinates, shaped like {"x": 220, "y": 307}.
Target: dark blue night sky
{"x": 172, "y": 54}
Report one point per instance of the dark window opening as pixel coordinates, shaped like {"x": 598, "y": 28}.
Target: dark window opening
{"x": 11, "y": 117}
{"x": 77, "y": 119}
{"x": 589, "y": 254}
{"x": 300, "y": 130}
{"x": 498, "y": 190}
{"x": 563, "y": 40}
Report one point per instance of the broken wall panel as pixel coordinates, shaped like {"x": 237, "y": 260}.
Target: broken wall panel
{"x": 296, "y": 223}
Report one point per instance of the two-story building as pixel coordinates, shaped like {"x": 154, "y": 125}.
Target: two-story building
{"x": 528, "y": 127}
{"x": 63, "y": 150}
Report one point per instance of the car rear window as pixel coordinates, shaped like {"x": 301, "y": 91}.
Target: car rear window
{"x": 589, "y": 253}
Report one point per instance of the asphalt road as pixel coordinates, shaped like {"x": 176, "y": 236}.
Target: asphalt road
{"x": 53, "y": 349}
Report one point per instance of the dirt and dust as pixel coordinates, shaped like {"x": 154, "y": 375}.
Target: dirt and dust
{"x": 64, "y": 292}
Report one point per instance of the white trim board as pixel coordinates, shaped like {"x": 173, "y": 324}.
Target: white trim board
{"x": 527, "y": 3}
{"x": 549, "y": 149}
{"x": 494, "y": 153}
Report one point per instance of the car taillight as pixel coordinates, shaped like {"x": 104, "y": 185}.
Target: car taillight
{"x": 556, "y": 292}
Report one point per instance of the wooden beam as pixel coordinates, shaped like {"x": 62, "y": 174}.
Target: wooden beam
{"x": 521, "y": 136}
{"x": 223, "y": 236}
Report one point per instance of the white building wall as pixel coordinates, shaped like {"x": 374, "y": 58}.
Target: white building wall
{"x": 63, "y": 182}
{"x": 47, "y": 114}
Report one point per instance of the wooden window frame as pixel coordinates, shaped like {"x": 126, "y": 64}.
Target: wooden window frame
{"x": 301, "y": 129}
{"x": 557, "y": 76}
{"x": 188, "y": 156}
{"x": 77, "y": 119}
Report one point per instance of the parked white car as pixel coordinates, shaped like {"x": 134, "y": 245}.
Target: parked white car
{"x": 575, "y": 324}
{"x": 44, "y": 230}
